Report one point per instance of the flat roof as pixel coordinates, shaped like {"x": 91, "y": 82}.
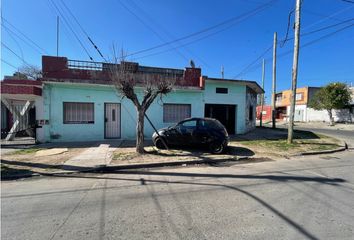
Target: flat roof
{"x": 251, "y": 84}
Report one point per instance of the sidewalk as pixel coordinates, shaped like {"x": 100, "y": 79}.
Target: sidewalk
{"x": 262, "y": 144}
{"x": 93, "y": 157}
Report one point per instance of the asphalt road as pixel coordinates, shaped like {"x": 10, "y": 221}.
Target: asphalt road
{"x": 300, "y": 198}
{"x": 346, "y": 135}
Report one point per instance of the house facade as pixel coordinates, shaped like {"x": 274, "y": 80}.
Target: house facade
{"x": 79, "y": 102}
{"x": 303, "y": 113}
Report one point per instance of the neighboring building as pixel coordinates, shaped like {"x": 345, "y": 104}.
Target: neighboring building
{"x": 77, "y": 101}
{"x": 303, "y": 113}
{"x": 266, "y": 114}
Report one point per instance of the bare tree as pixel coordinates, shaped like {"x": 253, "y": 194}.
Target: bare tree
{"x": 31, "y": 71}
{"x": 140, "y": 88}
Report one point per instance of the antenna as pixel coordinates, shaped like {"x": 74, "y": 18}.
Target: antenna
{"x": 222, "y": 71}
{"x": 57, "y": 36}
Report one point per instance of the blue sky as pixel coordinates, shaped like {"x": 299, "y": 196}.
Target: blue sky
{"x": 137, "y": 25}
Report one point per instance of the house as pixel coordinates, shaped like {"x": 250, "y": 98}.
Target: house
{"x": 78, "y": 102}
{"x": 303, "y": 113}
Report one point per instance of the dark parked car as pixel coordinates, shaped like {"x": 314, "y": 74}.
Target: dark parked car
{"x": 194, "y": 131}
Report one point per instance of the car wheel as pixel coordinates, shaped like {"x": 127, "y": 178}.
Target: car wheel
{"x": 216, "y": 147}
{"x": 159, "y": 144}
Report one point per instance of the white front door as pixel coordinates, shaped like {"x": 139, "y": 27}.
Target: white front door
{"x": 112, "y": 120}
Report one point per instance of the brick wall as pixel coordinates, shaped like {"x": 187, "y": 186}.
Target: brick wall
{"x": 57, "y": 69}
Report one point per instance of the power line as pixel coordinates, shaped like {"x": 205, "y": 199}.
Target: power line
{"x": 303, "y": 46}
{"x": 12, "y": 33}
{"x": 18, "y": 45}
{"x": 225, "y": 22}
{"x": 6, "y": 62}
{"x": 83, "y": 30}
{"x": 14, "y": 53}
{"x": 287, "y": 29}
{"x": 328, "y": 17}
{"x": 327, "y": 27}
{"x": 201, "y": 38}
{"x": 24, "y": 35}
{"x": 348, "y": 1}
{"x": 149, "y": 27}
{"x": 71, "y": 29}
{"x": 321, "y": 20}
{"x": 321, "y": 15}
{"x": 167, "y": 33}
{"x": 248, "y": 67}
{"x": 253, "y": 62}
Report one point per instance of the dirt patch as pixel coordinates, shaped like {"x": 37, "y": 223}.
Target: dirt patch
{"x": 127, "y": 155}
{"x": 280, "y": 147}
{"x": 28, "y": 160}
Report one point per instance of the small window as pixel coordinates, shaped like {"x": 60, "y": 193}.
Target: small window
{"x": 173, "y": 113}
{"x": 250, "y": 113}
{"x": 222, "y": 90}
{"x": 113, "y": 115}
{"x": 299, "y": 96}
{"x": 78, "y": 113}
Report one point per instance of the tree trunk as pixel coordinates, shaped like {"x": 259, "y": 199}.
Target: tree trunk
{"x": 331, "y": 120}
{"x": 140, "y": 132}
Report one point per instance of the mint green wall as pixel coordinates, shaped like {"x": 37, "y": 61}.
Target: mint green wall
{"x": 54, "y": 94}
{"x": 236, "y": 95}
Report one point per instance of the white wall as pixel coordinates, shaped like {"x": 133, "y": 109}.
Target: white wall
{"x": 342, "y": 115}
{"x": 297, "y": 108}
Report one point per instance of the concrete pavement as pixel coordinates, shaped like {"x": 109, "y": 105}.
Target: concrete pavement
{"x": 93, "y": 157}
{"x": 298, "y": 198}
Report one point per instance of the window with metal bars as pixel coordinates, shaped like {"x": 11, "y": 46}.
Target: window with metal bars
{"x": 173, "y": 113}
{"x": 78, "y": 113}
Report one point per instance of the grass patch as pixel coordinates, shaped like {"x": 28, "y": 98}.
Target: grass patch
{"x": 123, "y": 156}
{"x": 25, "y": 151}
{"x": 298, "y": 145}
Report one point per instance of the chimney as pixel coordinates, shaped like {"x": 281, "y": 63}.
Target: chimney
{"x": 192, "y": 76}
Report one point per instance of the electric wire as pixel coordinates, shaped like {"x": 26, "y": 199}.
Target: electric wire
{"x": 83, "y": 30}
{"x": 165, "y": 31}
{"x": 6, "y": 62}
{"x": 302, "y": 46}
{"x": 249, "y": 66}
{"x": 14, "y": 53}
{"x": 210, "y": 28}
{"x": 12, "y": 33}
{"x": 71, "y": 29}
{"x": 18, "y": 45}
{"x": 148, "y": 27}
{"x": 24, "y": 35}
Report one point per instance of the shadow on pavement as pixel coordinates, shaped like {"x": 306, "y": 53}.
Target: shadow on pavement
{"x": 279, "y": 178}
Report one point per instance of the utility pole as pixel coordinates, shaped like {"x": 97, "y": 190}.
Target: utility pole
{"x": 262, "y": 95}
{"x": 274, "y": 78}
{"x": 57, "y": 36}
{"x": 294, "y": 71}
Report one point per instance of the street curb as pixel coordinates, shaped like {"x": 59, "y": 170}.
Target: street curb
{"x": 340, "y": 149}
{"x": 164, "y": 164}
{"x": 107, "y": 169}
